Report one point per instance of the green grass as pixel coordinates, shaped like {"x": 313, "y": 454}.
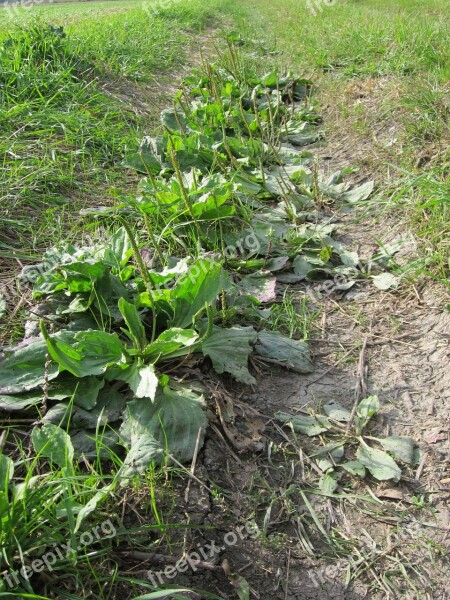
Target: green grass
{"x": 398, "y": 52}
{"x": 62, "y": 136}
{"x": 38, "y": 512}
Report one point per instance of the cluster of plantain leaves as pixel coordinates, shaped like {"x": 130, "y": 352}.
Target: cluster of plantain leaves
{"x": 226, "y": 208}
{"x": 342, "y": 434}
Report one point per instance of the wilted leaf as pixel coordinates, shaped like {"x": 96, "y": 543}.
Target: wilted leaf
{"x": 435, "y": 434}
{"x": 304, "y": 423}
{"x": 391, "y": 493}
{"x": 260, "y": 285}
{"x": 359, "y": 193}
{"x": 292, "y": 354}
{"x": 385, "y": 281}
{"x": 229, "y": 350}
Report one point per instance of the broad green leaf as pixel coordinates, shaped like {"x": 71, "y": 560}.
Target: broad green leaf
{"x": 270, "y": 79}
{"x": 119, "y": 249}
{"x": 23, "y": 368}
{"x": 82, "y": 391}
{"x": 109, "y": 289}
{"x": 143, "y": 450}
{"x": 53, "y": 443}
{"x": 174, "y": 121}
{"x": 170, "y": 423}
{"x": 276, "y": 263}
{"x": 348, "y": 258}
{"x": 148, "y": 158}
{"x": 21, "y": 401}
{"x": 354, "y": 467}
{"x": 292, "y": 354}
{"x": 329, "y": 482}
{"x": 109, "y": 409}
{"x": 95, "y": 444}
{"x": 90, "y": 506}
{"x": 169, "y": 343}
{"x": 278, "y": 185}
{"x": 302, "y": 139}
{"x": 327, "y": 456}
{"x": 134, "y": 324}
{"x": 199, "y": 286}
{"x": 336, "y": 411}
{"x": 379, "y": 463}
{"x": 159, "y": 278}
{"x": 359, "y": 193}
{"x": 305, "y": 423}
{"x": 401, "y": 447}
{"x": 336, "y": 450}
{"x": 301, "y": 267}
{"x": 87, "y": 352}
{"x": 229, "y": 350}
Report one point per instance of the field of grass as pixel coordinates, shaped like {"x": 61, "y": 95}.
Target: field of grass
{"x": 128, "y": 317}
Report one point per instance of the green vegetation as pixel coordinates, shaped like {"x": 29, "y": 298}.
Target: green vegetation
{"x": 165, "y": 234}
{"x": 115, "y": 325}
{"x": 66, "y": 110}
{"x": 379, "y": 67}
